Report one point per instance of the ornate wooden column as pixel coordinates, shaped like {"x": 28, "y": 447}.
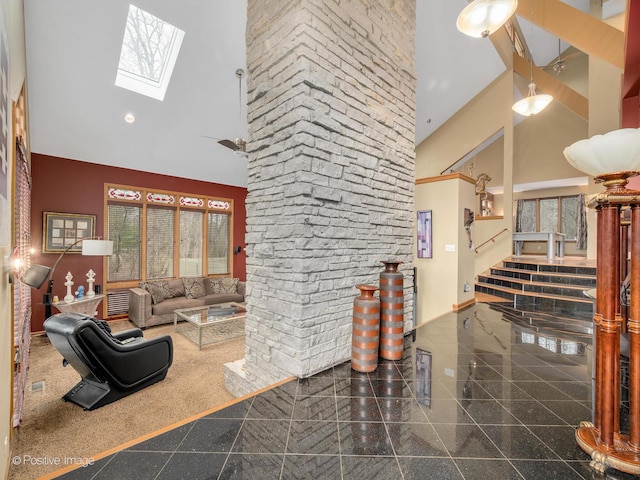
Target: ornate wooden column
{"x": 602, "y": 440}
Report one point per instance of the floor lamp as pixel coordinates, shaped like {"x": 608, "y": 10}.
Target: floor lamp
{"x": 611, "y": 159}
{"x": 36, "y": 275}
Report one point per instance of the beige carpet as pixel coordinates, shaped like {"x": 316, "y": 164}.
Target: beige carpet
{"x": 54, "y": 430}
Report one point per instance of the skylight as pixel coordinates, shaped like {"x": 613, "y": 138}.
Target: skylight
{"x": 149, "y": 52}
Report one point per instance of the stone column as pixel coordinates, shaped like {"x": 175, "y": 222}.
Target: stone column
{"x": 331, "y": 114}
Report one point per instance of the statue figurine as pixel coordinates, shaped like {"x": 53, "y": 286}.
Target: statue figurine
{"x": 68, "y": 298}
{"x": 90, "y": 280}
{"x": 80, "y": 292}
{"x": 481, "y": 183}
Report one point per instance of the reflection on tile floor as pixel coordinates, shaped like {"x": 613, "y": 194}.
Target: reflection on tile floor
{"x": 476, "y": 396}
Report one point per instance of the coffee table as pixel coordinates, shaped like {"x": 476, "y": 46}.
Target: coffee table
{"x": 210, "y": 316}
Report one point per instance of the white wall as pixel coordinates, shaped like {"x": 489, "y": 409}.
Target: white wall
{"x": 441, "y": 278}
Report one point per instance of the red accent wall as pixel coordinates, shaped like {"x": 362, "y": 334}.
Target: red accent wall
{"x": 631, "y": 77}
{"x": 71, "y": 186}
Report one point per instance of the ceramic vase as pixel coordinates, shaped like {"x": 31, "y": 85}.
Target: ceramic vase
{"x": 391, "y": 311}
{"x": 365, "y": 332}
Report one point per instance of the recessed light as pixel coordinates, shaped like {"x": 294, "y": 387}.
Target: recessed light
{"x": 129, "y": 118}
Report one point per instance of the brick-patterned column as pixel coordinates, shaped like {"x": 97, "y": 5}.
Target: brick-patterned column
{"x": 331, "y": 113}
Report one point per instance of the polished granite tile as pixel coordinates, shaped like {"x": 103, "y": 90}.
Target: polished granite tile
{"x": 199, "y": 465}
{"x": 429, "y": 468}
{"x": 545, "y": 469}
{"x": 466, "y": 441}
{"x": 475, "y": 396}
{"x": 517, "y": 441}
{"x": 489, "y": 468}
{"x": 262, "y": 436}
{"x": 310, "y": 467}
{"x": 313, "y": 437}
{"x": 133, "y": 466}
{"x": 247, "y": 467}
{"x": 211, "y": 435}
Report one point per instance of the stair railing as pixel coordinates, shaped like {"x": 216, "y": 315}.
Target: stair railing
{"x": 492, "y": 239}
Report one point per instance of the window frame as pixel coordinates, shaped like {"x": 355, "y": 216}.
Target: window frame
{"x": 178, "y": 201}
{"x": 559, "y": 199}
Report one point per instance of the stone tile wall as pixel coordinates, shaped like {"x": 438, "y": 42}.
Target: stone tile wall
{"x": 331, "y": 112}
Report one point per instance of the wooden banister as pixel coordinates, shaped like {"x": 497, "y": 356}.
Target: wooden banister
{"x": 492, "y": 239}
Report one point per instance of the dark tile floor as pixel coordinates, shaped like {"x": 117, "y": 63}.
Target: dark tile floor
{"x": 476, "y": 396}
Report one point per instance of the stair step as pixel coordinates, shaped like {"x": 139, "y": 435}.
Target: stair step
{"x": 524, "y": 285}
{"x": 549, "y": 268}
{"x": 559, "y": 278}
{"x": 513, "y": 291}
{"x": 568, "y": 305}
{"x": 534, "y": 285}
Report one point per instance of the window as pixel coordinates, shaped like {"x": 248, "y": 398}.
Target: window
{"x": 149, "y": 52}
{"x": 160, "y": 223}
{"x": 184, "y": 235}
{"x": 191, "y": 243}
{"x": 218, "y": 248}
{"x": 553, "y": 214}
{"x": 124, "y": 230}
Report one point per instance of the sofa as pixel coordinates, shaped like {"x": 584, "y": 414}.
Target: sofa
{"x": 153, "y": 302}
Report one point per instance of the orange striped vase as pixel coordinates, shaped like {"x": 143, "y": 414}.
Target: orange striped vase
{"x": 365, "y": 332}
{"x": 391, "y": 311}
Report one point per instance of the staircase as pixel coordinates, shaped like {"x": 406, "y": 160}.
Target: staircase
{"x": 535, "y": 285}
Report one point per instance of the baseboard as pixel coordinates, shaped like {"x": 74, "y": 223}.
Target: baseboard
{"x": 463, "y": 305}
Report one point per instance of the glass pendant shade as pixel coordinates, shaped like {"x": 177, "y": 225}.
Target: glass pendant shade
{"x": 533, "y": 103}
{"x": 613, "y": 152}
{"x": 483, "y": 17}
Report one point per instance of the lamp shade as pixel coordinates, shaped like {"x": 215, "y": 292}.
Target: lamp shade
{"x": 97, "y": 247}
{"x": 616, "y": 151}
{"x": 533, "y": 104}
{"x": 483, "y": 17}
{"x": 35, "y": 275}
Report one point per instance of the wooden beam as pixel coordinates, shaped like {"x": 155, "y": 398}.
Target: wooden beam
{"x": 631, "y": 80}
{"x": 549, "y": 84}
{"x": 587, "y": 33}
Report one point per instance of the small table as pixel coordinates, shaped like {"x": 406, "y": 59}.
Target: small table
{"x": 209, "y": 316}
{"x": 552, "y": 238}
{"x": 86, "y": 306}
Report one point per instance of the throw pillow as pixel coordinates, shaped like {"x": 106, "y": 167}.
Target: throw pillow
{"x": 228, "y": 285}
{"x": 212, "y": 285}
{"x": 193, "y": 287}
{"x": 176, "y": 287}
{"x": 159, "y": 290}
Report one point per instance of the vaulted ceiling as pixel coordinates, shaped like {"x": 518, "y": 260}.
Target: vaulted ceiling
{"x": 76, "y": 111}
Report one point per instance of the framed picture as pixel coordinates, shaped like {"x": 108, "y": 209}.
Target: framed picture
{"x": 423, "y": 377}
{"x": 61, "y": 230}
{"x": 424, "y": 234}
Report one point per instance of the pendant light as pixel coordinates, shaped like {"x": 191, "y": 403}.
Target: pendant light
{"x": 483, "y": 17}
{"x": 532, "y": 104}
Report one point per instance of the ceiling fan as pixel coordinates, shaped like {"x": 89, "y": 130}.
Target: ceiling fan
{"x": 238, "y": 145}
{"x": 560, "y": 63}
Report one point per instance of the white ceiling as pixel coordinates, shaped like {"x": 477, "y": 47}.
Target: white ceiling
{"x": 76, "y": 111}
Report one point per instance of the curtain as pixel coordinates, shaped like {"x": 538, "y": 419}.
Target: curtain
{"x": 519, "y": 207}
{"x": 21, "y": 292}
{"x": 581, "y": 225}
